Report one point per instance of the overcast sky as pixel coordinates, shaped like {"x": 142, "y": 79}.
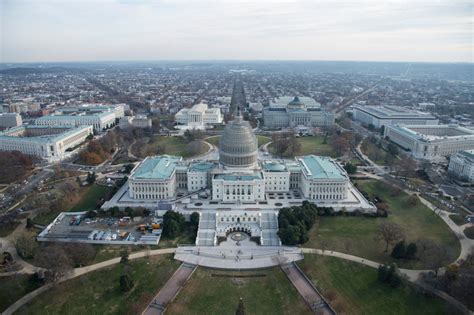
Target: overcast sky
{"x": 89, "y": 30}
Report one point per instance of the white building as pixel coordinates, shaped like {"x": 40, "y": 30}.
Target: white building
{"x": 277, "y": 176}
{"x": 99, "y": 121}
{"x": 117, "y": 109}
{"x": 298, "y": 111}
{"x": 154, "y": 178}
{"x": 199, "y": 115}
{"x": 323, "y": 178}
{"x": 431, "y": 142}
{"x": 461, "y": 165}
{"x": 50, "y": 143}
{"x": 8, "y": 120}
{"x": 139, "y": 121}
{"x": 238, "y": 187}
{"x": 390, "y": 115}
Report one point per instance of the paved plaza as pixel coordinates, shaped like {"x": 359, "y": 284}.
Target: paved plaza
{"x": 245, "y": 256}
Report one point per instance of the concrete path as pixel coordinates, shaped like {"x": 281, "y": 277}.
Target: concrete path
{"x": 7, "y": 245}
{"x": 170, "y": 290}
{"x": 307, "y": 290}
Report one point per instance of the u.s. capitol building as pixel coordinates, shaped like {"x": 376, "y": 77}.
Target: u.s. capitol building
{"x": 239, "y": 180}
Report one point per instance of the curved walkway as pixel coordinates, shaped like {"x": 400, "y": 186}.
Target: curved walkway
{"x": 412, "y": 274}
{"x": 7, "y": 245}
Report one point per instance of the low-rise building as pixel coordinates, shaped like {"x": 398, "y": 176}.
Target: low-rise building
{"x": 49, "y": 143}
{"x": 117, "y": 109}
{"x": 154, "y": 178}
{"x": 431, "y": 142}
{"x": 8, "y": 120}
{"x": 199, "y": 115}
{"x": 99, "y": 121}
{"x": 461, "y": 165}
{"x": 382, "y": 116}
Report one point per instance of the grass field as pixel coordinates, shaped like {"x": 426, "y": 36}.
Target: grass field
{"x": 166, "y": 145}
{"x": 86, "y": 200}
{"x": 99, "y": 292}
{"x": 376, "y": 154}
{"x": 188, "y": 236}
{"x": 91, "y": 197}
{"x": 355, "y": 235}
{"x": 312, "y": 145}
{"x": 458, "y": 219}
{"x": 261, "y": 140}
{"x": 354, "y": 289}
{"x": 13, "y": 288}
{"x": 7, "y": 228}
{"x": 469, "y": 232}
{"x": 269, "y": 293}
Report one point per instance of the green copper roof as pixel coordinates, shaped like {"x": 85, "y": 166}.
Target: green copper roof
{"x": 273, "y": 166}
{"x": 156, "y": 167}
{"x": 321, "y": 167}
{"x": 201, "y": 166}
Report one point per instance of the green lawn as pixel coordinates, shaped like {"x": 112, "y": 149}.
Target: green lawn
{"x": 355, "y": 235}
{"x": 313, "y": 145}
{"x": 166, "y": 145}
{"x": 261, "y": 140}
{"x": 7, "y": 228}
{"x": 99, "y": 292}
{"x": 469, "y": 232}
{"x": 354, "y": 289}
{"x": 91, "y": 198}
{"x": 458, "y": 219}
{"x": 13, "y": 288}
{"x": 377, "y": 155}
{"x": 88, "y": 198}
{"x": 188, "y": 236}
{"x": 269, "y": 293}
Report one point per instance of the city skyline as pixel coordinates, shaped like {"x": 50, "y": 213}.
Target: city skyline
{"x": 53, "y": 31}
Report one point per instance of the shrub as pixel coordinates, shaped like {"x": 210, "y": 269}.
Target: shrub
{"x": 399, "y": 250}
{"x": 126, "y": 283}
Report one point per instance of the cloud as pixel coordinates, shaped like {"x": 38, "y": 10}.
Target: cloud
{"x": 225, "y": 29}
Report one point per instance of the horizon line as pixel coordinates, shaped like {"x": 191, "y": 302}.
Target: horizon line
{"x": 229, "y": 60}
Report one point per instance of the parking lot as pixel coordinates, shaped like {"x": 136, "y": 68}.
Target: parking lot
{"x": 74, "y": 227}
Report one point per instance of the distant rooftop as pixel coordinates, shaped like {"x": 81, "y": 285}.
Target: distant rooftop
{"x": 68, "y": 130}
{"x": 433, "y": 132}
{"x": 468, "y": 154}
{"x": 320, "y": 167}
{"x": 284, "y": 101}
{"x": 201, "y": 166}
{"x": 156, "y": 167}
{"x": 392, "y": 112}
{"x": 274, "y": 166}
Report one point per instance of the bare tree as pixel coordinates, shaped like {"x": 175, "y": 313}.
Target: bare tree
{"x": 56, "y": 262}
{"x": 433, "y": 255}
{"x": 81, "y": 254}
{"x": 26, "y": 245}
{"x": 389, "y": 233}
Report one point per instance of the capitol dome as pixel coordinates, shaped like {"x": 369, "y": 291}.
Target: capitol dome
{"x": 238, "y": 146}
{"x": 296, "y": 103}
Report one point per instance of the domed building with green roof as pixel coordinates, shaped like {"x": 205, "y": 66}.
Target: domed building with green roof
{"x": 294, "y": 112}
